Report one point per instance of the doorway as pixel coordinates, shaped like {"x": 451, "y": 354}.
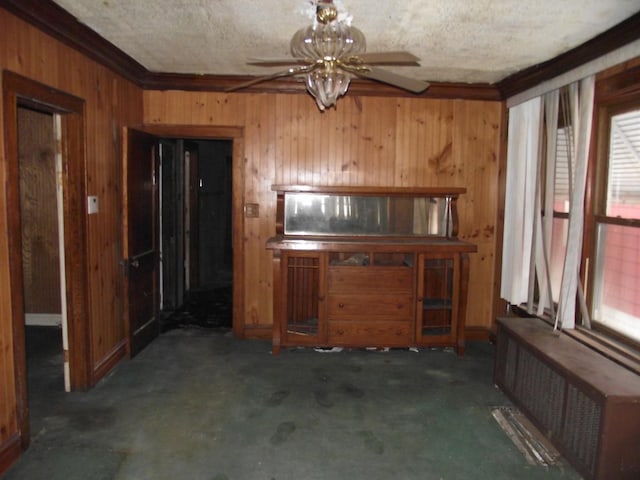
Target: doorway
{"x": 235, "y": 135}
{"x": 40, "y": 208}
{"x": 20, "y": 95}
{"x": 196, "y": 212}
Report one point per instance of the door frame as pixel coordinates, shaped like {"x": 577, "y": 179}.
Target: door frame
{"x": 236, "y": 135}
{"x": 19, "y": 91}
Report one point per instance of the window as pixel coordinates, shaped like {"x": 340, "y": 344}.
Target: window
{"x": 571, "y": 244}
{"x": 577, "y": 259}
{"x": 616, "y": 221}
{"x": 561, "y": 196}
{"x": 546, "y": 170}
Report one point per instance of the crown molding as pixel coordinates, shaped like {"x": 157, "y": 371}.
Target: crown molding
{"x": 226, "y": 83}
{"x": 618, "y": 36}
{"x": 60, "y": 24}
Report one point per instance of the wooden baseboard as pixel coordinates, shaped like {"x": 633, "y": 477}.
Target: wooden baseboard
{"x": 258, "y": 332}
{"x": 477, "y": 333}
{"x": 9, "y": 452}
{"x": 264, "y": 332}
{"x": 109, "y": 362}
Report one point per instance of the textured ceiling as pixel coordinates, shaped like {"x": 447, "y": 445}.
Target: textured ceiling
{"x": 471, "y": 41}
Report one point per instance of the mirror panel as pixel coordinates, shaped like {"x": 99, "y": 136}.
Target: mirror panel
{"x": 346, "y": 215}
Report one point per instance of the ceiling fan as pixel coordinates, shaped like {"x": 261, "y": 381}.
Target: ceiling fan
{"x": 329, "y": 53}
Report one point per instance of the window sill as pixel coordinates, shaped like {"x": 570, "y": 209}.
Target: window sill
{"x": 617, "y": 351}
{"x": 623, "y": 354}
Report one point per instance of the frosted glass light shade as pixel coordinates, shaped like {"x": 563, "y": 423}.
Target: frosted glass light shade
{"x": 325, "y": 43}
{"x": 327, "y": 85}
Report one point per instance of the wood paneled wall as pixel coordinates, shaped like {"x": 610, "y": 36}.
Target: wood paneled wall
{"x": 365, "y": 141}
{"x": 38, "y": 212}
{"x": 111, "y": 102}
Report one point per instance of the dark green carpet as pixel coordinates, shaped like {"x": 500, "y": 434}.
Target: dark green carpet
{"x": 197, "y": 404}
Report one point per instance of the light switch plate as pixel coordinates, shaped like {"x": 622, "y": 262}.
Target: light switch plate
{"x": 92, "y": 204}
{"x": 252, "y": 210}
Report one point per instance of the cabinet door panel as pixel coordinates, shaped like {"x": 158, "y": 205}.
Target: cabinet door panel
{"x": 303, "y": 284}
{"x": 437, "y": 314}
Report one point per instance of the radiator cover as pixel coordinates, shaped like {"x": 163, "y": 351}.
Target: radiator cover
{"x": 587, "y": 405}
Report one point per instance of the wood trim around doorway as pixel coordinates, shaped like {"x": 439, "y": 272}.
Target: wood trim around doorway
{"x": 18, "y": 92}
{"x": 236, "y": 135}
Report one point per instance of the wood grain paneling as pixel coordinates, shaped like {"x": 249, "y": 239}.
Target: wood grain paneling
{"x": 453, "y": 137}
{"x": 372, "y": 141}
{"x": 110, "y": 102}
{"x": 38, "y": 212}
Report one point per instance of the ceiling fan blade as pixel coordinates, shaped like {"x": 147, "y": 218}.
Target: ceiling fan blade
{"x": 285, "y": 73}
{"x": 389, "y": 58}
{"x": 277, "y": 62}
{"x": 400, "y": 81}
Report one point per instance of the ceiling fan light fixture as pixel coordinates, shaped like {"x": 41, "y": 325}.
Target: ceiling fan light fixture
{"x": 327, "y": 40}
{"x": 330, "y": 52}
{"x": 331, "y": 40}
{"x": 327, "y": 85}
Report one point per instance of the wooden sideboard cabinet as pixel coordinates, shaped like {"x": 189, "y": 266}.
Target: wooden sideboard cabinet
{"x": 368, "y": 267}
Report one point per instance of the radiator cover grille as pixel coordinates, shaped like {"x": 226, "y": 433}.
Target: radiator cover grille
{"x": 588, "y": 406}
{"x": 582, "y": 427}
{"x": 536, "y": 381}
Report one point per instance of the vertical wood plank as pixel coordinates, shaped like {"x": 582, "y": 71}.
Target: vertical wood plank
{"x": 365, "y": 141}
{"x": 109, "y": 102}
{"x": 39, "y": 215}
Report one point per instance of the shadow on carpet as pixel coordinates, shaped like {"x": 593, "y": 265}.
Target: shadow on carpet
{"x": 205, "y": 309}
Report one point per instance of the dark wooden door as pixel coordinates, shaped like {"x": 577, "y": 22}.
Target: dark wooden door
{"x": 140, "y": 245}
{"x": 170, "y": 233}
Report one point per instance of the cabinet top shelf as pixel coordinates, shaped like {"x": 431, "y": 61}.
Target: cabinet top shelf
{"x": 359, "y": 244}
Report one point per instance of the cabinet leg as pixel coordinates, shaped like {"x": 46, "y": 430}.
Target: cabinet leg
{"x": 275, "y": 350}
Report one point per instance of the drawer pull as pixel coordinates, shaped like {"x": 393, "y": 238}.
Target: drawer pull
{"x": 341, "y": 305}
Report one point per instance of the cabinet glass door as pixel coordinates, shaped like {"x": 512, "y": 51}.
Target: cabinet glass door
{"x": 302, "y": 310}
{"x": 437, "y": 307}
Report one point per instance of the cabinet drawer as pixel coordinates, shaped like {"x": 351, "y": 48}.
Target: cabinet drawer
{"x": 373, "y": 307}
{"x": 365, "y": 333}
{"x": 370, "y": 279}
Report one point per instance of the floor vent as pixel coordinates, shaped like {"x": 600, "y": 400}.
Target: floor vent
{"x": 537, "y": 450}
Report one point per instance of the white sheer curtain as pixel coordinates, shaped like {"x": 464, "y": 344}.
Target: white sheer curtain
{"x": 527, "y": 234}
{"x": 544, "y": 224}
{"x": 582, "y": 99}
{"x": 520, "y": 202}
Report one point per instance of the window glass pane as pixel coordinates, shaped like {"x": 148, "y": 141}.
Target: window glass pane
{"x": 558, "y": 249}
{"x": 561, "y": 198}
{"x": 616, "y": 301}
{"x": 623, "y": 183}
